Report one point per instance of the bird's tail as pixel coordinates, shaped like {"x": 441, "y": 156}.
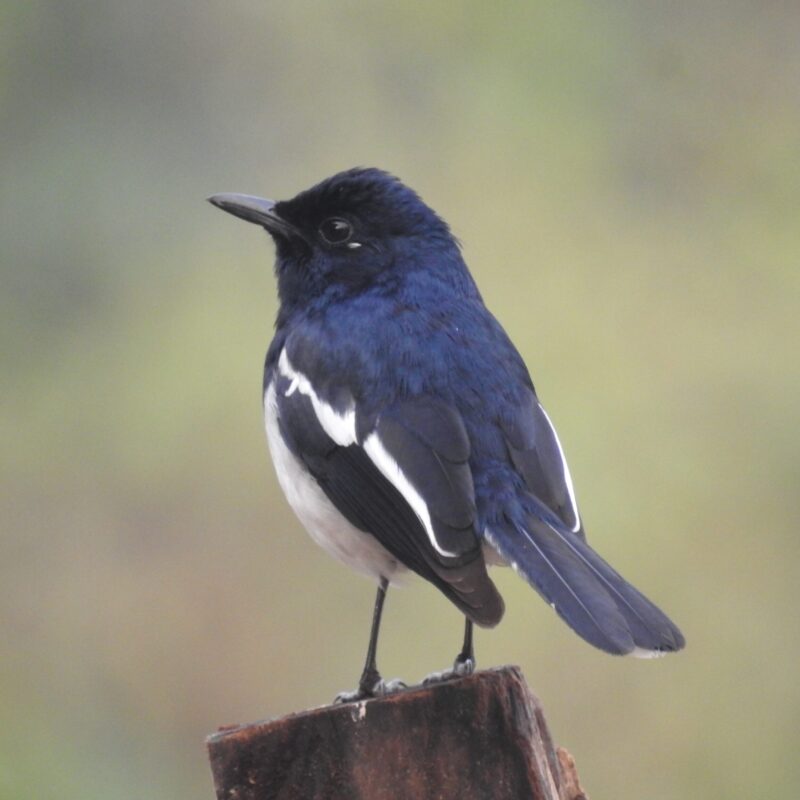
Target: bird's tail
{"x": 588, "y": 594}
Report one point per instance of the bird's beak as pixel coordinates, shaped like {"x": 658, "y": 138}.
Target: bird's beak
{"x": 254, "y": 209}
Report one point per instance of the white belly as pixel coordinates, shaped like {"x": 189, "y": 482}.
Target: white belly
{"x": 326, "y": 525}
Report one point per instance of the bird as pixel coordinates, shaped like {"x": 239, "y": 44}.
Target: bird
{"x": 405, "y": 429}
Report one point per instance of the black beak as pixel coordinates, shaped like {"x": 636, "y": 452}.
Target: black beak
{"x": 254, "y": 209}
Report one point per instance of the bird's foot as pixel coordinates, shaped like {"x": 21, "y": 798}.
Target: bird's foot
{"x": 462, "y": 667}
{"x": 378, "y": 688}
{"x": 349, "y": 697}
{"x": 384, "y": 688}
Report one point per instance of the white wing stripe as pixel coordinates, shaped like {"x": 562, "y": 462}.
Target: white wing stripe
{"x": 565, "y": 469}
{"x": 326, "y": 524}
{"x": 390, "y": 469}
{"x": 340, "y": 427}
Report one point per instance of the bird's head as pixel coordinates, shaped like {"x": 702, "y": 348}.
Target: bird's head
{"x": 359, "y": 228}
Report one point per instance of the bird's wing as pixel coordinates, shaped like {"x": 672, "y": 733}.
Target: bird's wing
{"x": 543, "y": 539}
{"x": 537, "y": 455}
{"x": 400, "y": 474}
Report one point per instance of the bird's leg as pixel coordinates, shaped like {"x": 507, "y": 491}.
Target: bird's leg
{"x": 464, "y": 664}
{"x": 371, "y": 684}
{"x": 370, "y": 676}
{"x": 465, "y": 660}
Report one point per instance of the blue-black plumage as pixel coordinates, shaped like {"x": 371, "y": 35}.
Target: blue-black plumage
{"x": 403, "y": 423}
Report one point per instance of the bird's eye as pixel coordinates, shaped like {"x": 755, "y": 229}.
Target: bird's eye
{"x": 336, "y": 230}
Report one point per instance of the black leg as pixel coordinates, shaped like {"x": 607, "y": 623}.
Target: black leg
{"x": 371, "y": 683}
{"x": 467, "y": 654}
{"x": 370, "y": 676}
{"x": 463, "y": 665}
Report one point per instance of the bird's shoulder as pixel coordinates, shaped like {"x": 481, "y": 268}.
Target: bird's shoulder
{"x": 420, "y": 342}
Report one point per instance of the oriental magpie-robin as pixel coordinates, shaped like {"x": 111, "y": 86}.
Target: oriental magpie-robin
{"x": 404, "y": 427}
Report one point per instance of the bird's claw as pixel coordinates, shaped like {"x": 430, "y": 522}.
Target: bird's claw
{"x": 384, "y": 688}
{"x": 462, "y": 667}
{"x": 348, "y": 697}
{"x": 380, "y": 688}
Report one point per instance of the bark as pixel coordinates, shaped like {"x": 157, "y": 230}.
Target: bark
{"x": 482, "y": 737}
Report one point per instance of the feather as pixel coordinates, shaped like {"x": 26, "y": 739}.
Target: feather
{"x": 591, "y": 597}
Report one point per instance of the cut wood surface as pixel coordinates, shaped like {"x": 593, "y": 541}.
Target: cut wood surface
{"x": 481, "y": 737}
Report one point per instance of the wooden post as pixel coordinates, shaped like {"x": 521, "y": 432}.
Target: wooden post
{"x": 478, "y": 738}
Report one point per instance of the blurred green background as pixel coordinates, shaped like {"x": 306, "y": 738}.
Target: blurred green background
{"x": 625, "y": 179}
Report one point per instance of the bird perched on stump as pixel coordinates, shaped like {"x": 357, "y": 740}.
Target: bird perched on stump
{"x": 405, "y": 429}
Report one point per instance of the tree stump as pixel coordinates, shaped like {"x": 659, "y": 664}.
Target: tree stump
{"x": 478, "y": 738}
